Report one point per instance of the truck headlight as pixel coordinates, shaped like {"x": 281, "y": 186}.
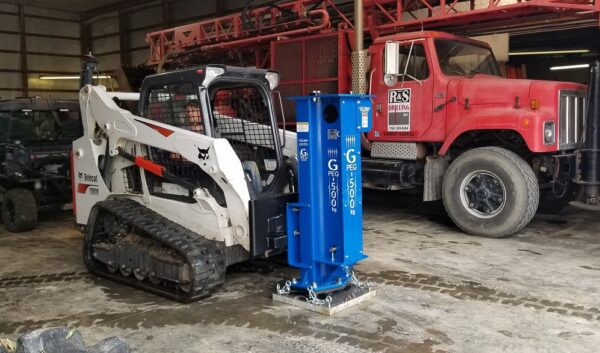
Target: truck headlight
{"x": 273, "y": 78}
{"x": 549, "y": 133}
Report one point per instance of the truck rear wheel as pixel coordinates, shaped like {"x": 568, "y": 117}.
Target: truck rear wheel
{"x": 490, "y": 192}
{"x": 19, "y": 210}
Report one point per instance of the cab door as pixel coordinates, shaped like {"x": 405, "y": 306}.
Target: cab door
{"x": 403, "y": 111}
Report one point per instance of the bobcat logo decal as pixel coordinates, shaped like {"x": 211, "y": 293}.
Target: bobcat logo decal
{"x": 203, "y": 153}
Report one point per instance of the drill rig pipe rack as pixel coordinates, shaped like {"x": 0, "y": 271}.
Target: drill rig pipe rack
{"x": 252, "y": 30}
{"x": 237, "y": 31}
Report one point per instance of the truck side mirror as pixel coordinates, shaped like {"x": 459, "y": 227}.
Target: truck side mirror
{"x": 392, "y": 58}
{"x": 392, "y": 63}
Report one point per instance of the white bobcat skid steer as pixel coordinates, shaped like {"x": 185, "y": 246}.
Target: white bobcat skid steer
{"x": 200, "y": 182}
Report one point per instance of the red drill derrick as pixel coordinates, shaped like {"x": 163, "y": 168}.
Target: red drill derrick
{"x": 238, "y": 31}
{"x": 251, "y": 31}
{"x": 471, "y": 17}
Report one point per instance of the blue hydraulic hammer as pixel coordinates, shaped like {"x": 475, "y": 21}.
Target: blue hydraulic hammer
{"x": 324, "y": 227}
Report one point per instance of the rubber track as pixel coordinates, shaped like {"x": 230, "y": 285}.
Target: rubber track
{"x": 206, "y": 257}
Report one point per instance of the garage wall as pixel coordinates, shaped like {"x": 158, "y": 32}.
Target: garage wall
{"x": 53, "y": 41}
{"x": 38, "y": 42}
{"x": 103, "y": 41}
{"x": 10, "y": 61}
{"x": 128, "y": 47}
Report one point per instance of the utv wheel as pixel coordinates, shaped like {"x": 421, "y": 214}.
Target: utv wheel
{"x": 19, "y": 210}
{"x": 490, "y": 192}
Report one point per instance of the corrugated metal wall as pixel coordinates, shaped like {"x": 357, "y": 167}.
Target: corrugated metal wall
{"x": 119, "y": 37}
{"x": 51, "y": 43}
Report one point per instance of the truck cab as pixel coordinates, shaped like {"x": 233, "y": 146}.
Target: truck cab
{"x": 435, "y": 87}
{"x": 446, "y": 121}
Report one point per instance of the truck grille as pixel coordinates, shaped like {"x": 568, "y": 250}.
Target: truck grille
{"x": 571, "y": 108}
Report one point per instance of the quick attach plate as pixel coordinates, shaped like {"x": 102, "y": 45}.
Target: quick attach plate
{"x": 340, "y": 300}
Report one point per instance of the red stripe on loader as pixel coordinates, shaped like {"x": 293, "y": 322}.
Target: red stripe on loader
{"x": 82, "y": 188}
{"x": 163, "y": 131}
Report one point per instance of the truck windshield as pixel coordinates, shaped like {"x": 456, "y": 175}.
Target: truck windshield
{"x": 464, "y": 59}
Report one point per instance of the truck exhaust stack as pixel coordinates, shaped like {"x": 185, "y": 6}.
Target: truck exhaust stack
{"x": 360, "y": 56}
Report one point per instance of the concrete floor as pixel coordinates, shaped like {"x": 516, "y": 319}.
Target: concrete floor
{"x": 438, "y": 290}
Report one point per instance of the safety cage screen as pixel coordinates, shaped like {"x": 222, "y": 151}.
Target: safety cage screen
{"x": 242, "y": 116}
{"x": 176, "y": 105}
{"x": 176, "y": 164}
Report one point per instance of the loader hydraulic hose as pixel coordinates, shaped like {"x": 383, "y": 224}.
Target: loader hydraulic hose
{"x": 149, "y": 166}
{"x": 157, "y": 170}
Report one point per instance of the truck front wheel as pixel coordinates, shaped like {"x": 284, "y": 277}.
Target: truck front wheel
{"x": 490, "y": 192}
{"x": 19, "y": 210}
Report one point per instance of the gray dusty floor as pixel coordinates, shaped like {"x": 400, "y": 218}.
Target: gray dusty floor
{"x": 438, "y": 290}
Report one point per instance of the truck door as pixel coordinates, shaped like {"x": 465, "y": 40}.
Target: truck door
{"x": 404, "y": 110}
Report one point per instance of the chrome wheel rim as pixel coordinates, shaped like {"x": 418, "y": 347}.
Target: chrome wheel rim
{"x": 483, "y": 194}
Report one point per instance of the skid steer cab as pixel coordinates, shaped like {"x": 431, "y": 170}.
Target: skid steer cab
{"x": 197, "y": 180}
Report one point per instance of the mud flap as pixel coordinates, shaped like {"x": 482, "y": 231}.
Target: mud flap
{"x": 435, "y": 168}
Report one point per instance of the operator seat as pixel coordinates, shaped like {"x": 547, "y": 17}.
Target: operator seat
{"x": 253, "y": 179}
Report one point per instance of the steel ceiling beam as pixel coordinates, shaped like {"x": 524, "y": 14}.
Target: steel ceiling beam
{"x": 122, "y": 6}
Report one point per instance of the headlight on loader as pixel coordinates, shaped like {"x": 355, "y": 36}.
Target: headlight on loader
{"x": 273, "y": 78}
{"x": 212, "y": 73}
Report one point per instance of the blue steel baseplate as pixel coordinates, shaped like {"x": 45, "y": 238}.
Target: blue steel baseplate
{"x": 340, "y": 300}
